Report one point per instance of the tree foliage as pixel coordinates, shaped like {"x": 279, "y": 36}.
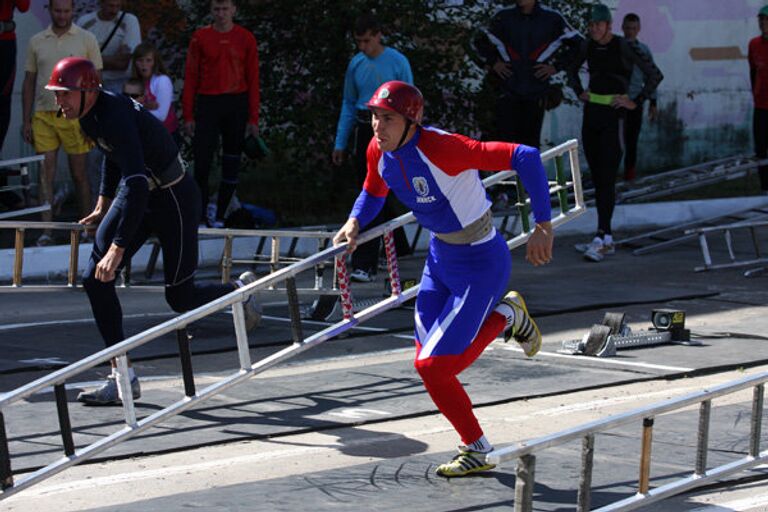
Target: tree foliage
{"x": 304, "y": 49}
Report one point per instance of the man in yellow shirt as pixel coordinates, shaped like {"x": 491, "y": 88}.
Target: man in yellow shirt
{"x": 45, "y": 129}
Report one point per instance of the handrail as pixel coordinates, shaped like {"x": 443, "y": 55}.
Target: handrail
{"x": 728, "y": 227}
{"x": 22, "y": 160}
{"x": 565, "y": 436}
{"x": 247, "y": 369}
{"x": 525, "y": 452}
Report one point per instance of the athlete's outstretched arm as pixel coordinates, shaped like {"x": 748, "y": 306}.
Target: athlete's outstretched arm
{"x": 368, "y": 204}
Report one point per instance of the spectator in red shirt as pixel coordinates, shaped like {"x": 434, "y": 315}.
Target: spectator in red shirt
{"x": 758, "y": 75}
{"x": 7, "y": 77}
{"x": 221, "y": 98}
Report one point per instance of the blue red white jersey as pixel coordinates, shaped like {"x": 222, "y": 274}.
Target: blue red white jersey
{"x": 436, "y": 176}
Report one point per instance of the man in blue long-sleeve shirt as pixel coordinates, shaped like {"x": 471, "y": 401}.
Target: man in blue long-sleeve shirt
{"x": 373, "y": 65}
{"x": 157, "y": 196}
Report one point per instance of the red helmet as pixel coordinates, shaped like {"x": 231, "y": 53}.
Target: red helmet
{"x": 399, "y": 97}
{"x": 74, "y": 74}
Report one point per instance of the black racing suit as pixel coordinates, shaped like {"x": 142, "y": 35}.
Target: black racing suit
{"x": 141, "y": 155}
{"x": 610, "y": 68}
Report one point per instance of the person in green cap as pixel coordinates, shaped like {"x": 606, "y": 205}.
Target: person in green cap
{"x": 610, "y": 59}
{"x": 758, "y": 76}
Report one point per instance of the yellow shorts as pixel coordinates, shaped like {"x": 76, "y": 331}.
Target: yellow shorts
{"x": 49, "y": 132}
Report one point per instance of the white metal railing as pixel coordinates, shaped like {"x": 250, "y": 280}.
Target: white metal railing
{"x": 133, "y": 426}
{"x": 25, "y": 185}
{"x": 274, "y": 235}
{"x": 525, "y": 452}
{"x": 727, "y": 230}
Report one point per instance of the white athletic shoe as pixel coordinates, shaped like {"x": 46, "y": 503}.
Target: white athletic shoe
{"x": 597, "y": 250}
{"x": 107, "y": 393}
{"x": 251, "y": 308}
{"x": 361, "y": 276}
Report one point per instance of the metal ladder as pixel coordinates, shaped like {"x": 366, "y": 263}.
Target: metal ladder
{"x": 247, "y": 369}
{"x": 525, "y": 452}
{"x": 24, "y": 186}
{"x": 681, "y": 180}
{"x": 727, "y": 231}
{"x": 663, "y": 238}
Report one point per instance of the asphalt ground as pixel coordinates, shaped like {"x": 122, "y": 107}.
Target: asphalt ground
{"x": 366, "y": 379}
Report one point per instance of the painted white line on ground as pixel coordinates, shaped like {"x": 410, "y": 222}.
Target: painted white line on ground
{"x": 743, "y": 504}
{"x": 324, "y": 324}
{"x": 606, "y": 361}
{"x": 88, "y": 320}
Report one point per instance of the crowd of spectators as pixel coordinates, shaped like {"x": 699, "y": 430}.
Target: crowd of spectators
{"x": 522, "y": 48}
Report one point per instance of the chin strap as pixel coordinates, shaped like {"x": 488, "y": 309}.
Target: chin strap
{"x": 82, "y": 104}
{"x": 408, "y": 124}
{"x": 60, "y": 112}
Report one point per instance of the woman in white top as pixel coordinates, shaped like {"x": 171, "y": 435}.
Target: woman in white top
{"x": 158, "y": 88}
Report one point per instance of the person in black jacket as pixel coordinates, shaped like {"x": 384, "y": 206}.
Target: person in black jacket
{"x": 610, "y": 59}
{"x": 524, "y": 46}
{"x": 156, "y": 195}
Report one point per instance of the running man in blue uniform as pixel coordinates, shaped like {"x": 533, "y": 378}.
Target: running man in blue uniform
{"x": 461, "y": 306}
{"x": 156, "y": 196}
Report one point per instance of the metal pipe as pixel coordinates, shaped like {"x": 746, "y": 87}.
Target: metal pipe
{"x": 226, "y": 260}
{"x": 18, "y": 259}
{"x": 562, "y": 192}
{"x": 702, "y": 443}
{"x": 524, "y": 482}
{"x": 243, "y": 350}
{"x": 65, "y": 425}
{"x": 585, "y": 476}
{"x": 645, "y": 456}
{"x": 522, "y": 205}
{"x": 274, "y": 259}
{"x": 74, "y": 254}
{"x": 729, "y": 244}
{"x": 186, "y": 362}
{"x": 684, "y": 484}
{"x": 6, "y": 475}
{"x": 293, "y": 310}
{"x": 757, "y": 420}
{"x": 124, "y": 390}
{"x": 705, "y": 250}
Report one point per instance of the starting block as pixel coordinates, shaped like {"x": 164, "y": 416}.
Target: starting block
{"x": 604, "y": 339}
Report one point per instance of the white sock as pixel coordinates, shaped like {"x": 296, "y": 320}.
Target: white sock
{"x": 482, "y": 445}
{"x": 597, "y": 240}
{"x": 508, "y": 312}
{"x": 608, "y": 239}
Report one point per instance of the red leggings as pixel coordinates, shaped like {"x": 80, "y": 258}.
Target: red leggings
{"x": 439, "y": 376}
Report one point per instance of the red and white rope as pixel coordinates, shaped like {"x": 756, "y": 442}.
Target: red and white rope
{"x": 342, "y": 276}
{"x": 394, "y": 271}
